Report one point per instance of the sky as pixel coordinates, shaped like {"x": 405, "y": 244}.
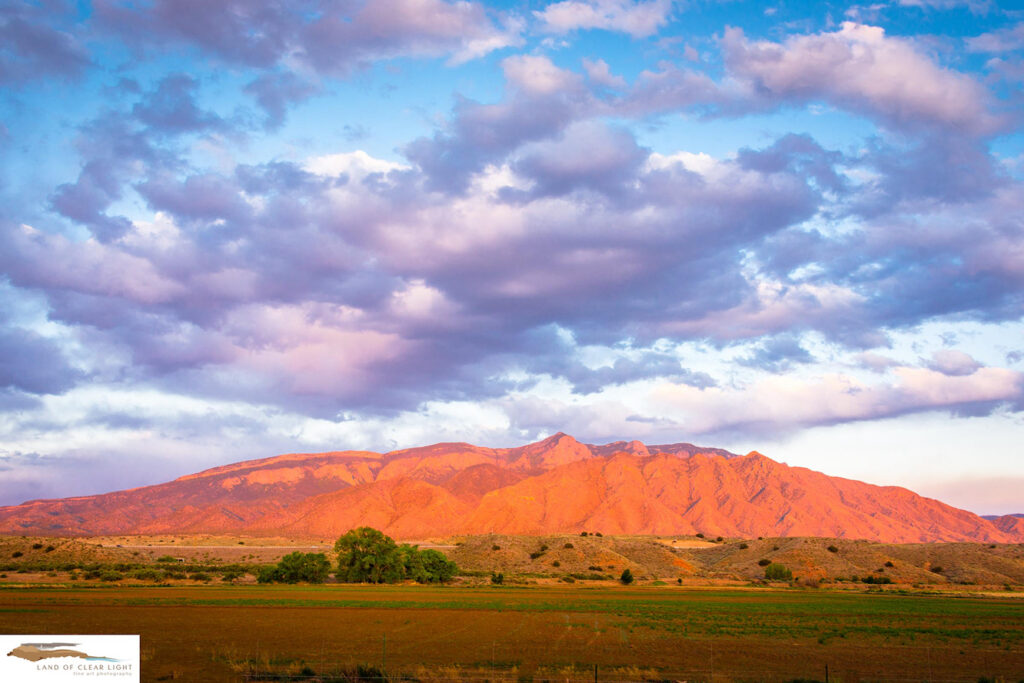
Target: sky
{"x": 234, "y": 229}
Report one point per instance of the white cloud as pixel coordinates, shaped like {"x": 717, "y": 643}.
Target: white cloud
{"x": 640, "y": 19}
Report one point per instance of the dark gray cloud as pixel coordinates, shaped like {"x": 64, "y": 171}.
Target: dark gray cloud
{"x": 330, "y": 37}
{"x": 31, "y": 364}
{"x": 541, "y": 100}
{"x": 34, "y": 46}
{"x": 275, "y": 92}
{"x": 171, "y": 108}
{"x": 778, "y": 354}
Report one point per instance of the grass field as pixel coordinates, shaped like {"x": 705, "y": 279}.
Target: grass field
{"x": 222, "y": 633}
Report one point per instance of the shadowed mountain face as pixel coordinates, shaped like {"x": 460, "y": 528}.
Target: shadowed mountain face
{"x": 552, "y": 486}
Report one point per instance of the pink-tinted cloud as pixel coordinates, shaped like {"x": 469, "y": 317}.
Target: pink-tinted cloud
{"x": 1002, "y": 40}
{"x": 953, "y": 363}
{"x": 331, "y": 38}
{"x": 780, "y": 403}
{"x": 861, "y": 68}
{"x": 638, "y": 19}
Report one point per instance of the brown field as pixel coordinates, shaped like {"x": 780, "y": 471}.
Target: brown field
{"x": 218, "y": 633}
{"x": 698, "y": 611}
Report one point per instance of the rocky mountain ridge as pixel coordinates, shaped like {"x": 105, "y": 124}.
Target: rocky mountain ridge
{"x": 557, "y": 485}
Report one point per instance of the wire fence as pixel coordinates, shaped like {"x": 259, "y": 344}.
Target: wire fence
{"x": 1002, "y": 670}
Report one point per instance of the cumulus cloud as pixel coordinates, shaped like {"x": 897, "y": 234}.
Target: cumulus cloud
{"x": 778, "y": 403}
{"x": 861, "y": 68}
{"x": 344, "y": 283}
{"x": 540, "y": 100}
{"x": 638, "y": 19}
{"x": 1006, "y": 39}
{"x": 331, "y": 39}
{"x": 953, "y": 363}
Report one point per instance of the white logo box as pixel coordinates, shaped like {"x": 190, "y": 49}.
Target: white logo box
{"x": 79, "y": 658}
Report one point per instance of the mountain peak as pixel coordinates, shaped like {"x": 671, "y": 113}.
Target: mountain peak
{"x": 555, "y": 485}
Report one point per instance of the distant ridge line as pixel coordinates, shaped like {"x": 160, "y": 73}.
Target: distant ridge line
{"x": 556, "y": 485}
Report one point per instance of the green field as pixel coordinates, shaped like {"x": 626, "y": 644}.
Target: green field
{"x": 222, "y": 633}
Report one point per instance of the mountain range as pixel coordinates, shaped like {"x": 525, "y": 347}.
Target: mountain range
{"x": 552, "y": 486}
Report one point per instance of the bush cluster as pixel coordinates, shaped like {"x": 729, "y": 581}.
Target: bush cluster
{"x": 296, "y": 567}
{"x": 777, "y": 572}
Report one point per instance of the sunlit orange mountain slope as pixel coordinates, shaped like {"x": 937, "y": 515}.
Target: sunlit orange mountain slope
{"x": 554, "y": 485}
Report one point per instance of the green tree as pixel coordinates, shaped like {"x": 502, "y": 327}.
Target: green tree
{"x": 437, "y": 568}
{"x": 627, "y": 577}
{"x": 368, "y": 555}
{"x": 308, "y": 567}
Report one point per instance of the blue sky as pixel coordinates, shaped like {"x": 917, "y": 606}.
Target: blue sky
{"x": 230, "y": 230}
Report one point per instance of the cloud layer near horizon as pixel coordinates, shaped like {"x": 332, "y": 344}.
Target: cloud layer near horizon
{"x": 538, "y": 250}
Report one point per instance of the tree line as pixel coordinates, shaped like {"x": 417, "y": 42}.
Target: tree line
{"x": 364, "y": 555}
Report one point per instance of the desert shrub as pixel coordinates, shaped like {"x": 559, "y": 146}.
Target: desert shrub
{"x": 876, "y": 579}
{"x": 147, "y": 574}
{"x": 111, "y": 575}
{"x": 595, "y": 568}
{"x": 568, "y": 579}
{"x": 495, "y": 547}
{"x": 166, "y": 558}
{"x": 543, "y": 548}
{"x": 17, "y": 553}
{"x": 777, "y": 572}
{"x": 598, "y": 533}
{"x": 700, "y": 535}
{"x": 583, "y": 533}
{"x": 200, "y": 576}
{"x": 626, "y": 577}
{"x": 743, "y": 546}
{"x": 171, "y": 574}
{"x": 49, "y": 549}
{"x": 556, "y": 563}
{"x": 679, "y": 581}
{"x": 718, "y": 540}
{"x": 833, "y": 549}
{"x": 763, "y": 563}
{"x": 37, "y": 546}
{"x": 936, "y": 570}
{"x": 568, "y": 546}
{"x": 497, "y": 579}
{"x": 889, "y": 564}
{"x": 232, "y": 574}
{"x": 535, "y": 555}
